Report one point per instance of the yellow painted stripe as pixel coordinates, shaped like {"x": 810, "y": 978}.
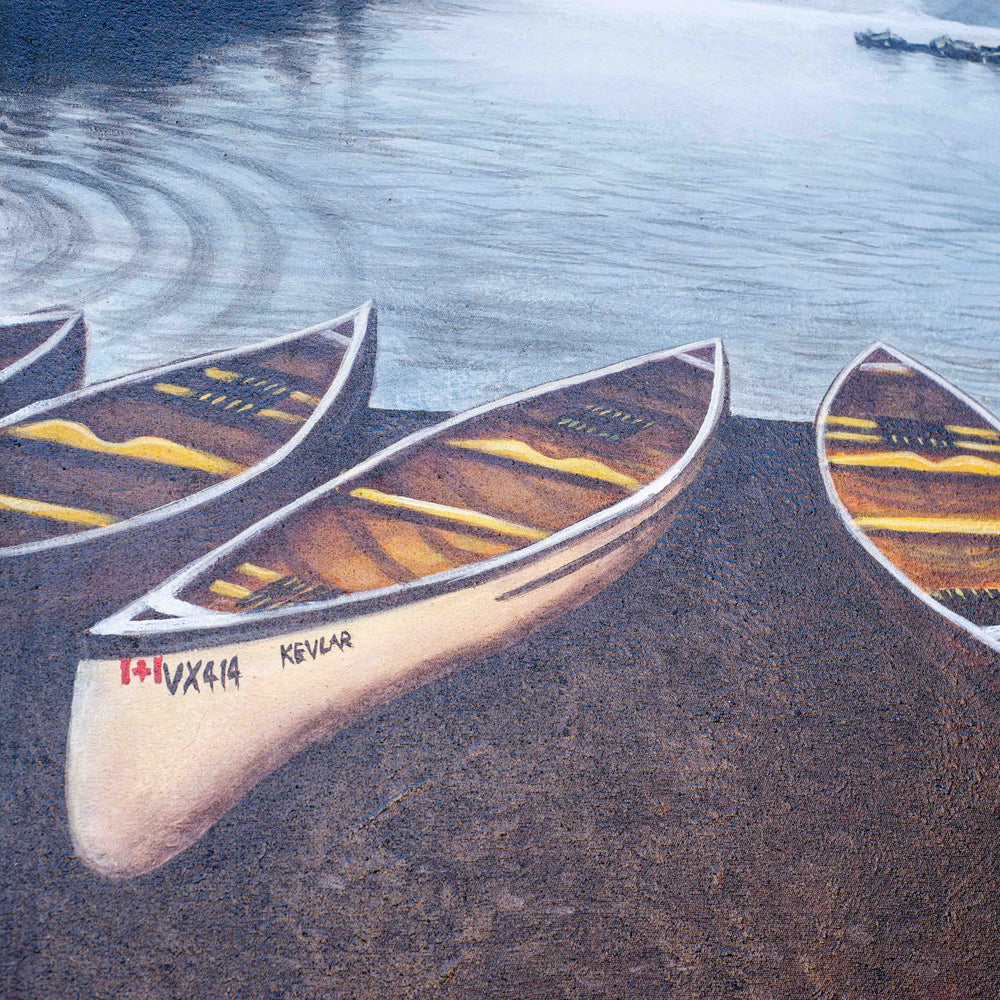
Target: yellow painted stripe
{"x": 288, "y": 418}
{"x": 931, "y": 525}
{"x": 56, "y": 512}
{"x": 852, "y": 422}
{"x": 518, "y": 451}
{"x": 221, "y": 375}
{"x": 851, "y": 436}
{"x": 977, "y": 446}
{"x": 227, "y": 589}
{"x": 259, "y": 572}
{"x": 988, "y": 590}
{"x": 173, "y": 390}
{"x": 963, "y": 464}
{"x": 887, "y": 368}
{"x": 304, "y": 397}
{"x": 980, "y": 432}
{"x": 71, "y": 434}
{"x": 461, "y": 515}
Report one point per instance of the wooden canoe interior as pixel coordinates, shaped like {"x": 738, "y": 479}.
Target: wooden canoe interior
{"x": 484, "y": 487}
{"x": 19, "y": 339}
{"x": 919, "y": 471}
{"x": 118, "y": 452}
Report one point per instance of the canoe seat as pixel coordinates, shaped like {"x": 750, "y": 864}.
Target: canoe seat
{"x": 275, "y": 593}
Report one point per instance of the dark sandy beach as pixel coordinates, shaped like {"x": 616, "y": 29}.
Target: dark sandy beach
{"x": 746, "y": 769}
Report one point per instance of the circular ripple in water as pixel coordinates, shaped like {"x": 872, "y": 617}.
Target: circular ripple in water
{"x": 166, "y": 240}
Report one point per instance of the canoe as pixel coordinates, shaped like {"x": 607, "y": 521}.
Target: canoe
{"x": 912, "y": 466}
{"x": 106, "y": 490}
{"x": 42, "y": 354}
{"x": 451, "y": 543}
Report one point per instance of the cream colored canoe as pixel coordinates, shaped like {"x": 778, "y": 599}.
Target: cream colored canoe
{"x": 452, "y": 542}
{"x": 912, "y": 466}
{"x": 42, "y": 354}
{"x": 106, "y": 490}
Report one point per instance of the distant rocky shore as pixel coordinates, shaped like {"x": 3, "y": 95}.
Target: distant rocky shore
{"x": 943, "y": 46}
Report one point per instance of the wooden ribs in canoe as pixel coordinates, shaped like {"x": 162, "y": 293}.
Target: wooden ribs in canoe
{"x": 450, "y": 543}
{"x": 42, "y": 354}
{"x": 107, "y": 489}
{"x": 912, "y": 466}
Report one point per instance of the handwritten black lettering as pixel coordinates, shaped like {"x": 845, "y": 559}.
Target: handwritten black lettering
{"x": 314, "y": 649}
{"x": 172, "y": 683}
{"x": 192, "y": 677}
{"x": 228, "y": 675}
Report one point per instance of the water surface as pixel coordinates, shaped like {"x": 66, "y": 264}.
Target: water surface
{"x": 525, "y": 189}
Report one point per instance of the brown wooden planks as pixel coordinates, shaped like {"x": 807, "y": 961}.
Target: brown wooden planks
{"x": 215, "y": 408}
{"x": 632, "y": 427}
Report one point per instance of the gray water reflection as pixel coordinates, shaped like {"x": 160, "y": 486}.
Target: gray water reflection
{"x": 526, "y": 190}
{"x": 55, "y": 42}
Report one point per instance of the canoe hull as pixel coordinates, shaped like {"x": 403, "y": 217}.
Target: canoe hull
{"x": 926, "y": 485}
{"x": 907, "y": 463}
{"x": 70, "y": 586}
{"x": 152, "y": 765}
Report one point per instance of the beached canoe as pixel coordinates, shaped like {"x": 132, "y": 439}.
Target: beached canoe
{"x": 450, "y": 543}
{"x": 912, "y": 466}
{"x": 42, "y": 354}
{"x": 105, "y": 490}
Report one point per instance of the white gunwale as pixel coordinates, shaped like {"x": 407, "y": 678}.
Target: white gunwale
{"x": 70, "y": 318}
{"x": 191, "y": 622}
{"x": 989, "y": 637}
{"x": 359, "y": 316}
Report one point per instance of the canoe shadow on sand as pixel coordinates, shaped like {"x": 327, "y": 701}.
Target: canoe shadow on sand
{"x": 740, "y": 763}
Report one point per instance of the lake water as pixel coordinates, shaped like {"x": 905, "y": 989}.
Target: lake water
{"x": 526, "y": 189}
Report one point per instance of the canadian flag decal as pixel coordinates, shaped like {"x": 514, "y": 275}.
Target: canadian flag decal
{"x": 142, "y": 670}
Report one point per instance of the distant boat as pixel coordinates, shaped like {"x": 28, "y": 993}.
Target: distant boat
{"x": 107, "y": 489}
{"x": 880, "y": 40}
{"x": 42, "y": 354}
{"x": 955, "y": 48}
{"x": 943, "y": 46}
{"x": 912, "y": 466}
{"x": 449, "y": 544}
